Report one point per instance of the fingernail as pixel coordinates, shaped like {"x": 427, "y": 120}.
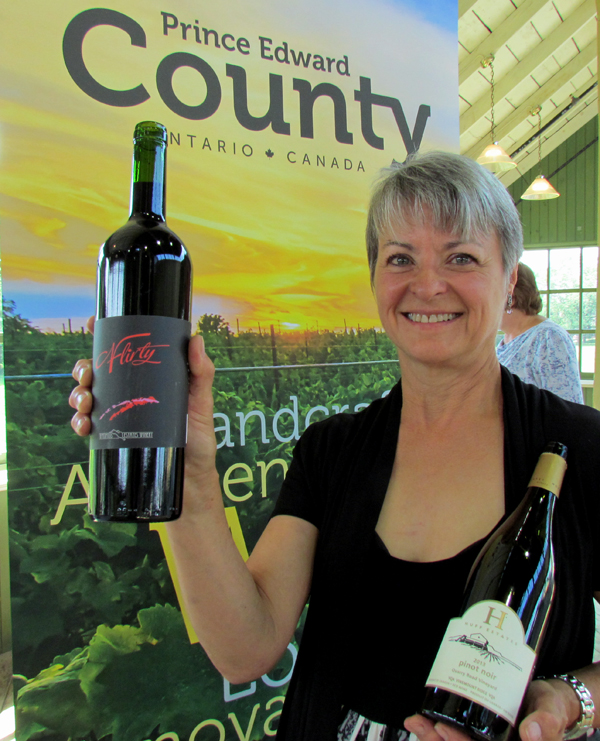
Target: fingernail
{"x": 77, "y": 423}
{"x": 442, "y": 731}
{"x": 534, "y": 732}
{"x": 202, "y": 348}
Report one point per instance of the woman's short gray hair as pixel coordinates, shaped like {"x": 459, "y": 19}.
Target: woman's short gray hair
{"x": 462, "y": 197}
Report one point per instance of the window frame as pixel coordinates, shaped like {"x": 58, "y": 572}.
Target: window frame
{"x": 548, "y": 292}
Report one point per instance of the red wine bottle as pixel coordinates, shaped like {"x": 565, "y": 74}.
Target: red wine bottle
{"x": 142, "y": 329}
{"x": 488, "y": 654}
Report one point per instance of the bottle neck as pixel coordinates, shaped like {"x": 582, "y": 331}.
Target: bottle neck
{"x": 148, "y": 180}
{"x": 533, "y": 517}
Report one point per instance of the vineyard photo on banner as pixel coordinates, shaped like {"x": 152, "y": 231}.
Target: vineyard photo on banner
{"x": 279, "y": 116}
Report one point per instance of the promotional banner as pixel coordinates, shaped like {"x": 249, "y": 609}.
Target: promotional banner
{"x": 279, "y": 117}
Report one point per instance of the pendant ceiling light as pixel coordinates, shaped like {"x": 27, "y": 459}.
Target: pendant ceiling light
{"x": 493, "y": 157}
{"x": 541, "y": 189}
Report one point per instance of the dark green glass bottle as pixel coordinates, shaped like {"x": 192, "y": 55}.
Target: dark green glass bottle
{"x": 488, "y": 655}
{"x": 143, "y": 311}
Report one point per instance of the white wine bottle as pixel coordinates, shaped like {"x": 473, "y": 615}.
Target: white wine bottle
{"x": 488, "y": 654}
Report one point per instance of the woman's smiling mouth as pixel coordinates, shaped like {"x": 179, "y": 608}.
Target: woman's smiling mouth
{"x": 430, "y": 318}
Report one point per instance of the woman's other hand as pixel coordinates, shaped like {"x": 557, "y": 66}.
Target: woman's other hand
{"x": 427, "y": 730}
{"x": 550, "y": 707}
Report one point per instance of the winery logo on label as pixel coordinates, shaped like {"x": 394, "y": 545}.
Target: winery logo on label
{"x": 119, "y": 435}
{"x": 481, "y": 644}
{"x": 499, "y": 618}
{"x": 125, "y": 406}
{"x": 129, "y": 352}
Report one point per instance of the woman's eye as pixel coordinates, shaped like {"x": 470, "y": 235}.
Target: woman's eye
{"x": 463, "y": 259}
{"x": 399, "y": 260}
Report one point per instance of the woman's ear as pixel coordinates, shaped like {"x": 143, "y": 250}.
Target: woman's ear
{"x": 512, "y": 281}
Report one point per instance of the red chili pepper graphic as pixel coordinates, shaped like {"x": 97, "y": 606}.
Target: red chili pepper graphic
{"x": 125, "y": 406}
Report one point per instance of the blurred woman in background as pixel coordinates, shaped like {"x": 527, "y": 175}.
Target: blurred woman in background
{"x": 537, "y": 349}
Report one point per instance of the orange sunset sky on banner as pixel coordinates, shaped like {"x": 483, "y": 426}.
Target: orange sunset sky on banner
{"x": 274, "y": 222}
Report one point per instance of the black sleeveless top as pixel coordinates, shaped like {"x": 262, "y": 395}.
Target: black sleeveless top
{"x": 385, "y": 676}
{"x": 337, "y": 480}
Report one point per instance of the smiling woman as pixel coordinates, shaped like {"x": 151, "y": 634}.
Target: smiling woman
{"x": 383, "y": 512}
{"x": 442, "y": 246}
{"x": 440, "y": 297}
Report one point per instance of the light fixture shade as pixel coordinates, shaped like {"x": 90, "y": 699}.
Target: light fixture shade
{"x": 494, "y": 158}
{"x": 540, "y": 190}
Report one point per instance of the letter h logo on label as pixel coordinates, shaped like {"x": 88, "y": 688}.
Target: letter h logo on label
{"x": 500, "y": 618}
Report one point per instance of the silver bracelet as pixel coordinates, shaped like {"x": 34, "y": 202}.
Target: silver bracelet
{"x": 584, "y": 725}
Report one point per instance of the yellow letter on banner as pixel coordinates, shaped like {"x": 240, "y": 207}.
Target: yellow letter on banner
{"x": 233, "y": 520}
{"x": 211, "y": 722}
{"x": 236, "y": 724}
{"x": 267, "y": 725}
{"x": 76, "y": 470}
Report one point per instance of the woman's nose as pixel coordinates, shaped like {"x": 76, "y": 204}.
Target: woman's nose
{"x": 427, "y": 283}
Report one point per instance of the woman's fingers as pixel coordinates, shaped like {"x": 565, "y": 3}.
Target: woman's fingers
{"x": 426, "y": 730}
{"x": 82, "y": 372}
{"x": 550, "y": 707}
{"x": 81, "y": 423}
{"x": 81, "y": 399}
{"x": 542, "y": 725}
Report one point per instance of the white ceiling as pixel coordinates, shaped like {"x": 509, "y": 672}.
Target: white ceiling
{"x": 545, "y": 54}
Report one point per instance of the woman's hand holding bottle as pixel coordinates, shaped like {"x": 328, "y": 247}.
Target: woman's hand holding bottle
{"x": 81, "y": 397}
{"x": 201, "y": 443}
{"x": 550, "y": 707}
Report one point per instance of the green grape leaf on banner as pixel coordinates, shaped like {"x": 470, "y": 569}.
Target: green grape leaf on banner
{"x": 133, "y": 682}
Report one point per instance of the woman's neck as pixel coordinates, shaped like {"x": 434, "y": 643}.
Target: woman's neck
{"x": 518, "y": 322}
{"x": 443, "y": 396}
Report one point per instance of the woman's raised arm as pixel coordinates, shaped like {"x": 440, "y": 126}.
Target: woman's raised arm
{"x": 243, "y": 613}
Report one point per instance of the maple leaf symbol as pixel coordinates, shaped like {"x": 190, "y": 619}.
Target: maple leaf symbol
{"x": 269, "y": 153}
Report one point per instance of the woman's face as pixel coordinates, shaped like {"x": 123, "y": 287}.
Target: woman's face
{"x": 440, "y": 299}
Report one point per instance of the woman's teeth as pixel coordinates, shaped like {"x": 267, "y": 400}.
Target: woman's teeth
{"x": 432, "y": 318}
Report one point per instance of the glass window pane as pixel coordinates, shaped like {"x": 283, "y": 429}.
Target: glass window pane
{"x": 588, "y": 318}
{"x": 590, "y": 267}
{"x": 564, "y": 309}
{"x": 565, "y": 268}
{"x": 588, "y": 353}
{"x": 537, "y": 260}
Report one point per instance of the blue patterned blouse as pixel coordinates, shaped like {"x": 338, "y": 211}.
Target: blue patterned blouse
{"x": 545, "y": 356}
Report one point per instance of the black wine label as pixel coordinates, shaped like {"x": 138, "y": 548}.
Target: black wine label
{"x": 140, "y": 384}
